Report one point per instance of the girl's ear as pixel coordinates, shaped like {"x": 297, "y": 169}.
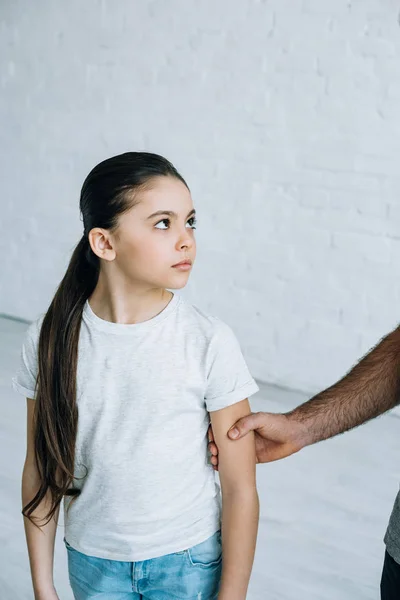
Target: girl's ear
{"x": 102, "y": 243}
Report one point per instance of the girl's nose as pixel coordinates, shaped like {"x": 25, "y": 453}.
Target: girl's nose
{"x": 185, "y": 240}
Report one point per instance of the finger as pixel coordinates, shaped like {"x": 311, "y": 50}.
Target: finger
{"x": 246, "y": 424}
{"x": 277, "y": 452}
{"x": 213, "y": 449}
{"x": 214, "y": 460}
{"x": 210, "y": 434}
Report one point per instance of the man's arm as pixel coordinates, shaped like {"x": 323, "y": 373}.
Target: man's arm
{"x": 370, "y": 389}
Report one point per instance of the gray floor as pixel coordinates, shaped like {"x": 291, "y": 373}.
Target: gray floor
{"x": 323, "y": 511}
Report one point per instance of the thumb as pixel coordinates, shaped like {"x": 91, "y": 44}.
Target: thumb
{"x": 246, "y": 424}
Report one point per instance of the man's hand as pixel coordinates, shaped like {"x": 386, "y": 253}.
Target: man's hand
{"x": 276, "y": 436}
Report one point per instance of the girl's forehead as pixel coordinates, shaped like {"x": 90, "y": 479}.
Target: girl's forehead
{"x": 165, "y": 193}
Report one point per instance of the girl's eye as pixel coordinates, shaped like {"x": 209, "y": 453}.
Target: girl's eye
{"x": 160, "y": 222}
{"x": 192, "y": 222}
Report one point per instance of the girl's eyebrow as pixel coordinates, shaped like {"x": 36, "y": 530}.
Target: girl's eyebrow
{"x": 170, "y": 213}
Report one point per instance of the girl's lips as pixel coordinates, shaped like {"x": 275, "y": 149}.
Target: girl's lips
{"x": 183, "y": 266}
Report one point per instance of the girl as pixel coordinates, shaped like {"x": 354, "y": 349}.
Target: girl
{"x": 122, "y": 378}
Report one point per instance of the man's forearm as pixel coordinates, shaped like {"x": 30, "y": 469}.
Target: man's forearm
{"x": 371, "y": 388}
{"x": 240, "y": 513}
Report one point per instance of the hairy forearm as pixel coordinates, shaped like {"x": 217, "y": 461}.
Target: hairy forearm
{"x": 240, "y": 513}
{"x": 41, "y": 541}
{"x": 371, "y": 388}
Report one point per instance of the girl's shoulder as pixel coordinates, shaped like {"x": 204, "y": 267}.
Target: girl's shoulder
{"x": 31, "y": 336}
{"x": 209, "y": 324}
{"x": 24, "y": 379}
{"x": 33, "y": 330}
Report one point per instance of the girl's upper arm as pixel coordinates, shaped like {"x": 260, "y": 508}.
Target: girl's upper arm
{"x": 237, "y": 458}
{"x": 30, "y": 435}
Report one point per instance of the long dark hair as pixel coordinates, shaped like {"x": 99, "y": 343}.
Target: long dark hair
{"x": 107, "y": 192}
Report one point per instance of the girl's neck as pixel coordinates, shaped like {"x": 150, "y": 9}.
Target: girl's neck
{"x": 128, "y": 307}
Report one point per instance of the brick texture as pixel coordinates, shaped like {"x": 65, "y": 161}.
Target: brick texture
{"x": 282, "y": 115}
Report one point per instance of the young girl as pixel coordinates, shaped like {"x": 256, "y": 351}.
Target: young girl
{"x": 122, "y": 378}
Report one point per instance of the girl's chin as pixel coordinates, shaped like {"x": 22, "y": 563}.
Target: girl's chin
{"x": 177, "y": 283}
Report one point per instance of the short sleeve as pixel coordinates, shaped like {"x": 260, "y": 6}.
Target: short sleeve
{"x": 24, "y": 380}
{"x": 228, "y": 377}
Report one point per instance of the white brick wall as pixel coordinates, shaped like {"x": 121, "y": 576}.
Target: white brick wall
{"x": 283, "y": 116}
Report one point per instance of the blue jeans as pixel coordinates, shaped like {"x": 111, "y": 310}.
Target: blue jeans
{"x": 193, "y": 574}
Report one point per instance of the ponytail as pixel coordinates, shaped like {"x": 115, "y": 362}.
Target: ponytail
{"x": 56, "y": 413}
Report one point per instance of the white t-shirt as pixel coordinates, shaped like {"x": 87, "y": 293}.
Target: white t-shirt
{"x": 143, "y": 393}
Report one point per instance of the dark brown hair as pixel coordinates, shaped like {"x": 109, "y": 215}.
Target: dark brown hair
{"x": 107, "y": 192}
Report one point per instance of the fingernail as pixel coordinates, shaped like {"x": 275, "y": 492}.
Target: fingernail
{"x": 234, "y": 432}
